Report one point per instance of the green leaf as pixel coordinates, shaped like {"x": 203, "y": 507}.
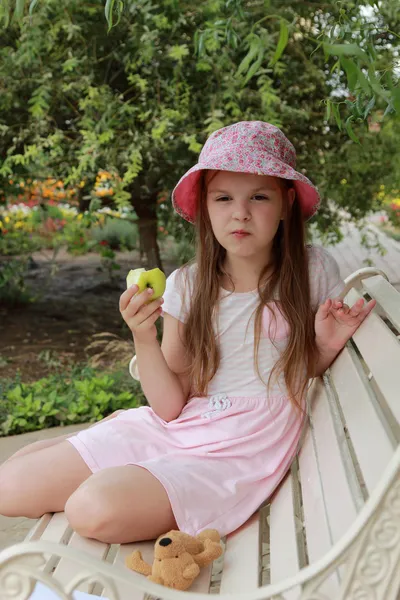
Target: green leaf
{"x": 108, "y": 10}
{"x": 328, "y": 110}
{"x": 19, "y": 9}
{"x": 363, "y": 81}
{"x": 369, "y": 107}
{"x": 336, "y": 114}
{"x": 32, "y": 6}
{"x": 345, "y": 50}
{"x": 351, "y": 71}
{"x": 350, "y": 131}
{"x": 255, "y": 66}
{"x": 282, "y": 42}
{"x": 255, "y": 43}
{"x": 178, "y": 52}
{"x": 375, "y": 84}
{"x": 335, "y": 66}
{"x": 395, "y": 99}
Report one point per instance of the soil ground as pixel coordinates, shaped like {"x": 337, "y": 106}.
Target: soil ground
{"x": 78, "y": 301}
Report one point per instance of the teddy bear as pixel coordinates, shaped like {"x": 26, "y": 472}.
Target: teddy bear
{"x": 178, "y": 557}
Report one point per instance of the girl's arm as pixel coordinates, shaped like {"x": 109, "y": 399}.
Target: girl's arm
{"x": 162, "y": 370}
{"x": 160, "y": 385}
{"x": 325, "y": 359}
{"x": 158, "y": 369}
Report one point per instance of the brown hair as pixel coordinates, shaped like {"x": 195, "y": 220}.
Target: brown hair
{"x": 289, "y": 278}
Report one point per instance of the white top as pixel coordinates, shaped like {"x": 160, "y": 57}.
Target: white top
{"x": 236, "y": 375}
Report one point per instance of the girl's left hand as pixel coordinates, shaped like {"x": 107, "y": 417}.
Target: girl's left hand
{"x": 335, "y": 322}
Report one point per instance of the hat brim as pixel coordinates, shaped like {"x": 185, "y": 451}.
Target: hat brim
{"x": 186, "y": 193}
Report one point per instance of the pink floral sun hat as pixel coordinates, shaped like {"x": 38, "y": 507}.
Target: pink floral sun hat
{"x": 246, "y": 147}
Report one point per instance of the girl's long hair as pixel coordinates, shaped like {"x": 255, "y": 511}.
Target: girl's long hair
{"x": 289, "y": 282}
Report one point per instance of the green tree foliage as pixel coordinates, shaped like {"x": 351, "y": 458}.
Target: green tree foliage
{"x": 141, "y": 97}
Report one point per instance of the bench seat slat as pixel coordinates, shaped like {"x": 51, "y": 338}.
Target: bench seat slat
{"x": 58, "y": 529}
{"x": 241, "y": 560}
{"x": 339, "y": 501}
{"x": 315, "y": 518}
{"x": 127, "y": 592}
{"x": 283, "y": 539}
{"x": 356, "y": 402}
{"x": 37, "y": 530}
{"x": 66, "y": 569}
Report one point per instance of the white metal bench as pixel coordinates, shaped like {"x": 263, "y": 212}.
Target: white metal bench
{"x": 331, "y": 530}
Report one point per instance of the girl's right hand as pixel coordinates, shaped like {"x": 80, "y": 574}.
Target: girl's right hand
{"x": 139, "y": 316}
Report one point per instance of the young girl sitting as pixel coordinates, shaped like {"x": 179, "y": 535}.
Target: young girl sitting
{"x": 247, "y": 324}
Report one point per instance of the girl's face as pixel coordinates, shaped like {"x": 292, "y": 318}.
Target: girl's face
{"x": 242, "y": 201}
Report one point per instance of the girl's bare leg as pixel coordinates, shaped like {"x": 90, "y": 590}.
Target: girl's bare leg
{"x": 41, "y": 481}
{"x": 120, "y": 505}
{"x": 55, "y": 440}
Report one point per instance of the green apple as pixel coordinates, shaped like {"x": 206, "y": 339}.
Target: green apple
{"x": 154, "y": 278}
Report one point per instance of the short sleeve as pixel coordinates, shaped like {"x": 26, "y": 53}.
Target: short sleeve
{"x": 176, "y": 296}
{"x": 325, "y": 279}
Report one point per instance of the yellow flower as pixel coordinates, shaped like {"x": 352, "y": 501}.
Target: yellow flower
{"x": 18, "y": 225}
{"x": 343, "y": 181}
{"x": 382, "y": 187}
{"x": 6, "y": 219}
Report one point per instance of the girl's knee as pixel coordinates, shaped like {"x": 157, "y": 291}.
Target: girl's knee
{"x": 7, "y": 490}
{"x": 12, "y": 502}
{"x": 89, "y": 514}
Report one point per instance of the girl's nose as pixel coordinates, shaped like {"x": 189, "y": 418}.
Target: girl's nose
{"x": 241, "y": 211}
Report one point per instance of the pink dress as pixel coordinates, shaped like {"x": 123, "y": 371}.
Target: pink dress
{"x": 226, "y": 453}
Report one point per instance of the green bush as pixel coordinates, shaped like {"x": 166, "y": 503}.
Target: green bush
{"x": 82, "y": 395}
{"x": 118, "y": 233}
{"x": 13, "y": 289}
{"x": 17, "y": 243}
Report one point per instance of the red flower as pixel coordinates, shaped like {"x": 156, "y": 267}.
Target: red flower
{"x": 103, "y": 243}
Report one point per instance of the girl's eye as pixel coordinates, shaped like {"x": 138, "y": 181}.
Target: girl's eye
{"x": 222, "y": 198}
{"x": 260, "y": 197}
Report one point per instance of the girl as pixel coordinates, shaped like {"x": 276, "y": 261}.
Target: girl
{"x": 247, "y": 324}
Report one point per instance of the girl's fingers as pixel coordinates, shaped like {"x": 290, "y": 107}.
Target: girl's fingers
{"x": 357, "y": 308}
{"x": 137, "y": 301}
{"x": 324, "y": 309}
{"x": 127, "y": 296}
{"x": 142, "y": 313}
{"x": 337, "y": 304}
{"x": 367, "y": 309}
{"x": 358, "y": 312}
{"x": 344, "y": 310}
{"x": 151, "y": 319}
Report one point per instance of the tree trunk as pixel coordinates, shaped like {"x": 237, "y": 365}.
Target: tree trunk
{"x": 149, "y": 251}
